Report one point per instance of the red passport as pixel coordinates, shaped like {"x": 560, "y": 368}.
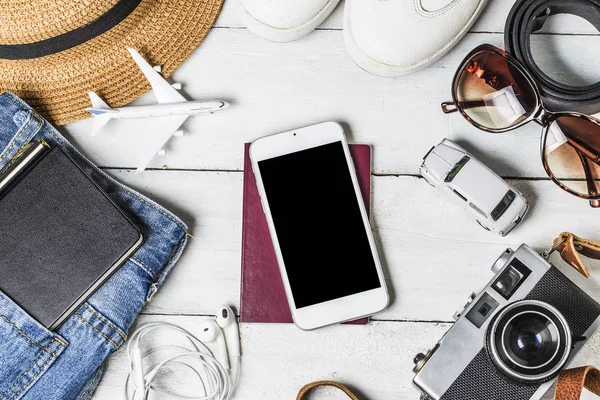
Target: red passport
{"x": 263, "y": 297}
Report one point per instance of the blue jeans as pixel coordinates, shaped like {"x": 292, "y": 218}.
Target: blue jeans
{"x": 67, "y": 364}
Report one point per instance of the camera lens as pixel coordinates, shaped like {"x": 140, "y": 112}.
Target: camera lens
{"x": 529, "y": 341}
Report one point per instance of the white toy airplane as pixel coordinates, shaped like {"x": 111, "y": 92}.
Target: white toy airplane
{"x": 172, "y": 107}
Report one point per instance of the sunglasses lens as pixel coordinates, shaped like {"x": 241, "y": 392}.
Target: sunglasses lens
{"x": 572, "y": 152}
{"x": 493, "y": 92}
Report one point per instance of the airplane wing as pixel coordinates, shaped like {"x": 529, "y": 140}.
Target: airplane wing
{"x": 155, "y": 141}
{"x": 164, "y": 92}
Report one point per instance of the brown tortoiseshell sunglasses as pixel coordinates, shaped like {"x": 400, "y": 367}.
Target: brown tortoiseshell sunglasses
{"x": 495, "y": 93}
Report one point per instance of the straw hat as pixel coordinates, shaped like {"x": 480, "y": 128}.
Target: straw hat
{"x": 53, "y": 52}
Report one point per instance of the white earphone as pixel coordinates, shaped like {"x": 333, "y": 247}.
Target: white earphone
{"x": 228, "y": 322}
{"x": 210, "y": 332}
{"x": 219, "y": 371}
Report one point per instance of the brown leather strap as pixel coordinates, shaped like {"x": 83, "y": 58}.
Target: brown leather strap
{"x": 570, "y": 246}
{"x": 310, "y": 386}
{"x": 572, "y": 381}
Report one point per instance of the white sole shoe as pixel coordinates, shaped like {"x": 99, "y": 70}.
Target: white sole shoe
{"x": 411, "y": 55}
{"x": 285, "y": 29}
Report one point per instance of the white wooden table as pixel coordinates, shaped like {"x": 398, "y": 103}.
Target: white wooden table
{"x": 434, "y": 255}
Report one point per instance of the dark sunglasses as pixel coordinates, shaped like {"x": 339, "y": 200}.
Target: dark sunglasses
{"x": 495, "y": 93}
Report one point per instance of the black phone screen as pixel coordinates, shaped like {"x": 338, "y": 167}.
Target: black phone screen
{"x": 319, "y": 226}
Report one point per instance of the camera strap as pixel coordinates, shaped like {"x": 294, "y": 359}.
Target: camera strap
{"x": 572, "y": 381}
{"x": 307, "y": 388}
{"x": 570, "y": 247}
{"x": 529, "y": 16}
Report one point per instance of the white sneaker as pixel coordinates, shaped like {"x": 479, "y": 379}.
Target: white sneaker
{"x": 284, "y": 20}
{"x": 396, "y": 37}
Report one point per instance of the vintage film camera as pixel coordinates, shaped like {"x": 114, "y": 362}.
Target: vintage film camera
{"x": 512, "y": 340}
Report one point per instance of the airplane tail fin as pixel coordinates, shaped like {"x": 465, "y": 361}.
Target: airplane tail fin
{"x": 100, "y": 111}
{"x": 97, "y": 102}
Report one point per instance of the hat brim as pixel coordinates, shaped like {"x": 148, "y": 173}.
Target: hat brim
{"x": 165, "y": 32}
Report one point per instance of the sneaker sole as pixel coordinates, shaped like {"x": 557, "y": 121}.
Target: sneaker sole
{"x": 280, "y": 35}
{"x": 379, "y": 68}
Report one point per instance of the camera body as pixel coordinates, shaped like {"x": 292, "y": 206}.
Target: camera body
{"x": 512, "y": 339}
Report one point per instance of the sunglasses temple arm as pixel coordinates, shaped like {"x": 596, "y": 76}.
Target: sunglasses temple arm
{"x": 591, "y": 183}
{"x": 449, "y": 107}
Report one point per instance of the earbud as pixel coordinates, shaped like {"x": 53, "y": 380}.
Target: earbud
{"x": 209, "y": 333}
{"x": 228, "y": 322}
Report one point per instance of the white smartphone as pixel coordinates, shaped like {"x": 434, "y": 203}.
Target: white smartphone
{"x": 319, "y": 225}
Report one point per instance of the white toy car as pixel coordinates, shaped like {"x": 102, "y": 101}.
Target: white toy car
{"x": 497, "y": 206}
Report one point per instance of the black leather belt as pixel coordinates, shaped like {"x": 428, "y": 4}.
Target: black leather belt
{"x": 528, "y": 16}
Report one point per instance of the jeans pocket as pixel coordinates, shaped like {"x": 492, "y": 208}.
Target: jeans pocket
{"x": 27, "y": 349}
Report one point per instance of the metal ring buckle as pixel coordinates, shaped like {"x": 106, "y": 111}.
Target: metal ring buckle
{"x": 546, "y": 254}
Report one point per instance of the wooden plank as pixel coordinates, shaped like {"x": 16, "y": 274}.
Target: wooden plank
{"x": 278, "y": 360}
{"x": 434, "y": 254}
{"x": 492, "y": 19}
{"x": 275, "y": 87}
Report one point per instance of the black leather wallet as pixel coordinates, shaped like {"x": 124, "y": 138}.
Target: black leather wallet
{"x": 61, "y": 236}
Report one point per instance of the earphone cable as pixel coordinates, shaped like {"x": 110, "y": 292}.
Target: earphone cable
{"x": 217, "y": 382}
